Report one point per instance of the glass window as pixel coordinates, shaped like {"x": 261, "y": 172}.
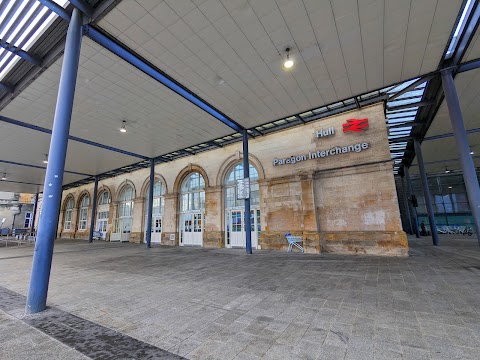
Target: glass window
{"x": 192, "y": 195}
{"x": 104, "y": 198}
{"x": 83, "y": 215}
{"x": 28, "y": 220}
{"x": 158, "y": 198}
{"x": 125, "y": 207}
{"x": 68, "y": 215}
{"x": 236, "y": 173}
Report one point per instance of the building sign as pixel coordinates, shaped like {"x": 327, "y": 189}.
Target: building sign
{"x": 243, "y": 189}
{"x": 321, "y": 154}
{"x": 355, "y": 125}
{"x": 322, "y": 133}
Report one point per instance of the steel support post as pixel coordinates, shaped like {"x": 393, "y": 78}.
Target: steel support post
{"x": 426, "y": 193}
{"x": 52, "y": 190}
{"x": 94, "y": 209}
{"x": 148, "y": 235}
{"x": 246, "y": 175}
{"x": 413, "y": 210}
{"x": 407, "y": 206}
{"x": 35, "y": 207}
{"x": 466, "y": 161}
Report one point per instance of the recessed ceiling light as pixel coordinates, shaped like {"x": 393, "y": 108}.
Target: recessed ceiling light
{"x": 45, "y": 159}
{"x": 4, "y": 177}
{"x": 449, "y": 187}
{"x": 446, "y": 170}
{"x": 289, "y": 62}
{"x": 123, "y": 129}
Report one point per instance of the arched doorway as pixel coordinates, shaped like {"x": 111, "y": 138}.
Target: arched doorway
{"x": 103, "y": 213}
{"x": 192, "y": 209}
{"x": 159, "y": 191}
{"x": 235, "y": 208}
{"x": 123, "y": 224}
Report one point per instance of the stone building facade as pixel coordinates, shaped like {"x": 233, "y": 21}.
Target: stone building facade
{"x": 334, "y": 188}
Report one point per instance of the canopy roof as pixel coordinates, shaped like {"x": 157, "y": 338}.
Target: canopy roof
{"x": 228, "y": 54}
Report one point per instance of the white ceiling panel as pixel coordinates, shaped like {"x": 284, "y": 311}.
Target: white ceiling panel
{"x": 231, "y": 52}
{"x": 27, "y": 146}
{"x": 110, "y": 90}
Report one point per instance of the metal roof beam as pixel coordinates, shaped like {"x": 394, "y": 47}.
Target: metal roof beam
{"x": 410, "y": 87}
{"x": 122, "y": 51}
{"x": 442, "y": 136}
{"x": 469, "y": 65}
{"x": 19, "y": 52}
{"x": 417, "y": 104}
{"x": 73, "y": 138}
{"x": 40, "y": 167}
{"x": 60, "y": 11}
{"x": 83, "y": 7}
{"x": 468, "y": 34}
{"x": 6, "y": 88}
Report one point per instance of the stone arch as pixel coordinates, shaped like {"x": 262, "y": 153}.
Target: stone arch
{"x": 186, "y": 171}
{"x": 101, "y": 189}
{"x": 122, "y": 186}
{"x": 80, "y": 198}
{"x": 233, "y": 160}
{"x": 147, "y": 182}
{"x": 66, "y": 200}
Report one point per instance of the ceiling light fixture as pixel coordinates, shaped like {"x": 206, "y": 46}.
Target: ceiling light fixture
{"x": 446, "y": 170}
{"x": 288, "y": 63}
{"x": 45, "y": 159}
{"x": 123, "y": 129}
{"x": 449, "y": 187}
{"x": 471, "y": 151}
{"x": 4, "y": 177}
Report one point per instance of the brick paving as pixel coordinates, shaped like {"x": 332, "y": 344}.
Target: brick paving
{"x": 223, "y": 304}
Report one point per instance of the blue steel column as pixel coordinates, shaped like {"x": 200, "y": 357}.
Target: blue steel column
{"x": 466, "y": 161}
{"x": 407, "y": 206}
{"x": 426, "y": 193}
{"x": 94, "y": 209}
{"x": 412, "y": 208}
{"x": 148, "y": 238}
{"x": 246, "y": 175}
{"x": 52, "y": 190}
{"x": 32, "y": 230}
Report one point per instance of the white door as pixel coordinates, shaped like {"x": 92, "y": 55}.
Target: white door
{"x": 156, "y": 229}
{"x": 236, "y": 229}
{"x": 191, "y": 229}
{"x": 102, "y": 223}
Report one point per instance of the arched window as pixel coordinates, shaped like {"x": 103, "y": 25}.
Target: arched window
{"x": 67, "y": 224}
{"x": 104, "y": 198}
{"x": 158, "y": 198}
{"x": 236, "y": 173}
{"x": 125, "y": 208}
{"x": 83, "y": 215}
{"x": 193, "y": 193}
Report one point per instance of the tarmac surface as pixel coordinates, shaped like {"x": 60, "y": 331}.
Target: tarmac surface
{"x": 122, "y": 301}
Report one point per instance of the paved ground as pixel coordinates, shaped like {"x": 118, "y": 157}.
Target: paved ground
{"x": 222, "y": 304}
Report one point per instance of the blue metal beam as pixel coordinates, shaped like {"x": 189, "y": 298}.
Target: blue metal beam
{"x": 83, "y": 7}
{"x": 19, "y": 182}
{"x": 435, "y": 137}
{"x": 6, "y": 88}
{"x": 60, "y": 11}
{"x": 122, "y": 51}
{"x": 19, "y": 52}
{"x": 40, "y": 167}
{"x": 74, "y": 138}
{"x": 52, "y": 189}
{"x": 468, "y": 34}
{"x": 469, "y": 65}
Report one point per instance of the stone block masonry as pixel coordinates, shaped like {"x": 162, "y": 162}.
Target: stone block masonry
{"x": 336, "y": 190}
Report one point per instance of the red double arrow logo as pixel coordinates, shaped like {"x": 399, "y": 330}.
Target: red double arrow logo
{"x": 355, "y": 125}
